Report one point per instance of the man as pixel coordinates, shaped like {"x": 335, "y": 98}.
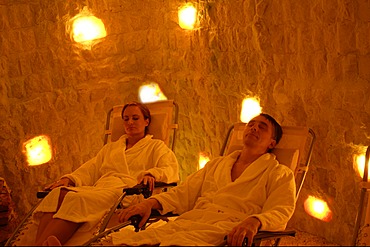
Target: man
{"x": 233, "y": 196}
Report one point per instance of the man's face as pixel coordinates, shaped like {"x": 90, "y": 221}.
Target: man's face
{"x": 259, "y": 134}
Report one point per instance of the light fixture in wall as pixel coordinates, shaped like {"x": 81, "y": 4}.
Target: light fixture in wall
{"x": 359, "y": 163}
{"x": 362, "y": 236}
{"x": 188, "y": 16}
{"x": 38, "y": 150}
{"x": 250, "y": 108}
{"x": 151, "y": 92}
{"x": 86, "y": 29}
{"x": 318, "y": 209}
{"x": 203, "y": 159}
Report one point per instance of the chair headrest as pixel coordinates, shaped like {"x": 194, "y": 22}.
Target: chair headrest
{"x": 159, "y": 125}
{"x": 288, "y": 157}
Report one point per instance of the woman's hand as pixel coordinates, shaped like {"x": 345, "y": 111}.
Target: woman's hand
{"x": 148, "y": 179}
{"x": 143, "y": 209}
{"x": 248, "y": 228}
{"x": 61, "y": 182}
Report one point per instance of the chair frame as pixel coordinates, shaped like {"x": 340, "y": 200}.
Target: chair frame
{"x": 172, "y": 126}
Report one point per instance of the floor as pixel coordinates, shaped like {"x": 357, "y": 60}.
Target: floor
{"x": 301, "y": 239}
{"x": 305, "y": 239}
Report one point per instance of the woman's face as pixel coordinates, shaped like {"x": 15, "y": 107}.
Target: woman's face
{"x": 134, "y": 121}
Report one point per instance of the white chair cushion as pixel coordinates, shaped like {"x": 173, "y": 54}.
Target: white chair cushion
{"x": 288, "y": 157}
{"x": 159, "y": 125}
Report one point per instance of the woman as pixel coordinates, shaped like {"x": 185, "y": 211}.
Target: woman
{"x": 79, "y": 200}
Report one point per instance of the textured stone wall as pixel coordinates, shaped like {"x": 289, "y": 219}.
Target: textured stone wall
{"x": 307, "y": 61}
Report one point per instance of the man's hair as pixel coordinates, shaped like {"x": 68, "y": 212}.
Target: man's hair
{"x": 278, "y": 131}
{"x": 143, "y": 108}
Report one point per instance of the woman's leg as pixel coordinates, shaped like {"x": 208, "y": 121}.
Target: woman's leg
{"x": 44, "y": 221}
{"x": 61, "y": 229}
{"x": 49, "y": 226}
{"x": 52, "y": 241}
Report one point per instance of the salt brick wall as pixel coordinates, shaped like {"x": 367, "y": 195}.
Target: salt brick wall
{"x": 307, "y": 61}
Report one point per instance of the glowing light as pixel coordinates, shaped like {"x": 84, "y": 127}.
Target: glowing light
{"x": 318, "y": 209}
{"x": 150, "y": 93}
{"x": 360, "y": 165}
{"x": 38, "y": 150}
{"x": 187, "y": 16}
{"x": 250, "y": 108}
{"x": 203, "y": 159}
{"x": 88, "y": 28}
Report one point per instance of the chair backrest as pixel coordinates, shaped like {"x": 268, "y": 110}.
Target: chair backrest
{"x": 163, "y": 126}
{"x": 294, "y": 149}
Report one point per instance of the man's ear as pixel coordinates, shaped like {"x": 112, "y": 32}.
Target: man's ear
{"x": 147, "y": 122}
{"x": 272, "y": 144}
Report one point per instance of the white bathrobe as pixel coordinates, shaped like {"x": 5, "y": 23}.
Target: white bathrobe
{"x": 99, "y": 181}
{"x": 210, "y": 204}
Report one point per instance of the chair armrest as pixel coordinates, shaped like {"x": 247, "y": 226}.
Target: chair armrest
{"x": 262, "y": 235}
{"x": 265, "y": 235}
{"x": 164, "y": 185}
{"x": 42, "y": 194}
{"x": 144, "y": 189}
{"x": 138, "y": 189}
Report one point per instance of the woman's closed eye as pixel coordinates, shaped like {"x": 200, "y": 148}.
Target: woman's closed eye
{"x": 135, "y": 118}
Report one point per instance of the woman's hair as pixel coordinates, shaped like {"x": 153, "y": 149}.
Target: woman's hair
{"x": 143, "y": 108}
{"x": 278, "y": 131}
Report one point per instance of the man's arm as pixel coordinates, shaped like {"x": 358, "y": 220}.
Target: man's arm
{"x": 276, "y": 211}
{"x": 183, "y": 197}
{"x": 143, "y": 209}
{"x": 248, "y": 228}
{"x": 280, "y": 203}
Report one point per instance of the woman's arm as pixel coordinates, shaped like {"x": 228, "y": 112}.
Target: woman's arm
{"x": 89, "y": 172}
{"x": 164, "y": 167}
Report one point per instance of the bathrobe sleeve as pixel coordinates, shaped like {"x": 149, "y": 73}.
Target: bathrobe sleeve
{"x": 183, "y": 197}
{"x": 165, "y": 166}
{"x": 89, "y": 172}
{"x": 280, "y": 203}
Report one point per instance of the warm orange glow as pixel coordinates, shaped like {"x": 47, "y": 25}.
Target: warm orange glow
{"x": 187, "y": 16}
{"x": 88, "y": 28}
{"x": 250, "y": 108}
{"x": 38, "y": 150}
{"x": 203, "y": 159}
{"x": 150, "y": 93}
{"x": 360, "y": 165}
{"x": 318, "y": 208}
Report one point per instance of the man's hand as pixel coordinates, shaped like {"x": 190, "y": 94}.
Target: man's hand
{"x": 247, "y": 228}
{"x": 61, "y": 182}
{"x": 148, "y": 179}
{"x": 143, "y": 209}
